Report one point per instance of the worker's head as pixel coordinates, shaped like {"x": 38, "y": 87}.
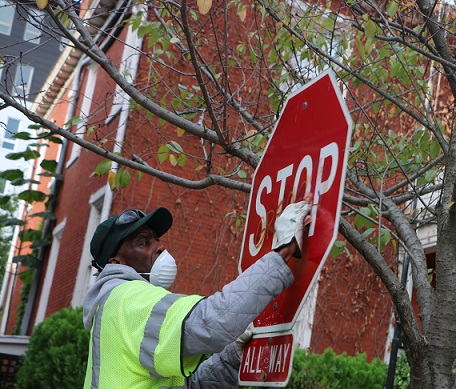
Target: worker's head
{"x": 110, "y": 236}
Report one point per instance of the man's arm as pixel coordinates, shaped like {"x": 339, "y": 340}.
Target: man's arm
{"x": 222, "y": 317}
{"x": 220, "y": 371}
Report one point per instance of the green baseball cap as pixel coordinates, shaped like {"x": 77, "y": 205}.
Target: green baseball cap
{"x": 110, "y": 234}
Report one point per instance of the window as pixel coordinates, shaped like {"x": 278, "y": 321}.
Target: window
{"x": 6, "y": 17}
{"x": 12, "y": 128}
{"x": 23, "y": 80}
{"x": 32, "y": 33}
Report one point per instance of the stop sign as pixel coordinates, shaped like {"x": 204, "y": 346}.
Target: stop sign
{"x": 307, "y": 152}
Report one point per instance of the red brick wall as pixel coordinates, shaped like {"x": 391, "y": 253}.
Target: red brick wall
{"x": 353, "y": 308}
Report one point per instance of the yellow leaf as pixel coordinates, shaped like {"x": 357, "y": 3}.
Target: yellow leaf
{"x": 42, "y": 4}
{"x": 204, "y": 6}
{"x": 243, "y": 14}
{"x": 407, "y": 5}
{"x": 172, "y": 160}
{"x": 449, "y": 205}
{"x": 112, "y": 179}
{"x": 180, "y": 132}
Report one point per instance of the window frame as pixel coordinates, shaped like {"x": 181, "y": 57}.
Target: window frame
{"x": 23, "y": 88}
{"x": 30, "y": 29}
{"x": 4, "y": 22}
{"x": 8, "y": 135}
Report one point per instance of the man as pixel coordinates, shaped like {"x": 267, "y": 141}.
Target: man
{"x": 143, "y": 336}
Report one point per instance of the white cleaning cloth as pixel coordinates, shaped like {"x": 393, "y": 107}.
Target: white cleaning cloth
{"x": 290, "y": 224}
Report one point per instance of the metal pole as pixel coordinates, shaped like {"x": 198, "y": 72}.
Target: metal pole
{"x": 397, "y": 335}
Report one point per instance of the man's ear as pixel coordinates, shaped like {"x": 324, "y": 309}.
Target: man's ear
{"x": 117, "y": 261}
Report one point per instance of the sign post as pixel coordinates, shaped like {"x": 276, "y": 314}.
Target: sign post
{"x": 307, "y": 153}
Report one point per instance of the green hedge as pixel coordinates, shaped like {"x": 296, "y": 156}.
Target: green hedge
{"x": 328, "y": 370}
{"x": 57, "y": 354}
{"x": 331, "y": 371}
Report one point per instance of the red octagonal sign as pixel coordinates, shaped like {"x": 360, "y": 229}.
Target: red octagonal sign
{"x": 307, "y": 152}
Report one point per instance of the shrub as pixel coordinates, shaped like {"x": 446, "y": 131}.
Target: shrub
{"x": 329, "y": 370}
{"x": 402, "y": 374}
{"x": 57, "y": 354}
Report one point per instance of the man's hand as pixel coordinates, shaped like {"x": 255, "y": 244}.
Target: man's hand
{"x": 240, "y": 342}
{"x": 292, "y": 229}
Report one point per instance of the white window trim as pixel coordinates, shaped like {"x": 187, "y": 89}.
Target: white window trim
{"x": 85, "y": 277}
{"x": 23, "y": 89}
{"x": 128, "y": 67}
{"x": 33, "y": 32}
{"x": 11, "y": 141}
{"x": 9, "y": 25}
{"x": 85, "y": 111}
{"x": 50, "y": 271}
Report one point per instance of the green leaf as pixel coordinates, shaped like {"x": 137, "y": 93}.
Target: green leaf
{"x": 368, "y": 232}
{"x": 242, "y": 173}
{"x": 90, "y": 130}
{"x": 385, "y": 237}
{"x": 392, "y": 8}
{"x": 29, "y": 154}
{"x": 337, "y": 248}
{"x": 376, "y": 108}
{"x": 370, "y": 28}
{"x": 45, "y": 215}
{"x": 74, "y": 120}
{"x": 38, "y": 243}
{"x": 11, "y": 221}
{"x": 55, "y": 175}
{"x": 22, "y": 135}
{"x": 12, "y": 174}
{"x": 360, "y": 221}
{"x": 31, "y": 196}
{"x": 30, "y": 235}
{"x": 174, "y": 146}
{"x": 163, "y": 153}
{"x": 181, "y": 160}
{"x": 22, "y": 181}
{"x": 26, "y": 260}
{"x": 49, "y": 165}
{"x": 14, "y": 156}
{"x": 434, "y": 149}
{"x": 103, "y": 167}
{"x": 430, "y": 175}
{"x": 124, "y": 178}
{"x": 26, "y": 276}
{"x": 4, "y": 200}
{"x": 54, "y": 139}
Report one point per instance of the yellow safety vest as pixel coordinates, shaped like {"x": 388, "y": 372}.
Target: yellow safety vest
{"x": 136, "y": 339}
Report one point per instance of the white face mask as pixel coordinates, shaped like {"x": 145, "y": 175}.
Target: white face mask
{"x": 163, "y": 271}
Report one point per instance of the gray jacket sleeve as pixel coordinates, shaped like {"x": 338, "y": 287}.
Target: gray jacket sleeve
{"x": 218, "y": 372}
{"x": 219, "y": 319}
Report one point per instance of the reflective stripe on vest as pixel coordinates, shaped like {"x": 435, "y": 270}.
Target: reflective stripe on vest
{"x": 96, "y": 343}
{"x": 152, "y": 331}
